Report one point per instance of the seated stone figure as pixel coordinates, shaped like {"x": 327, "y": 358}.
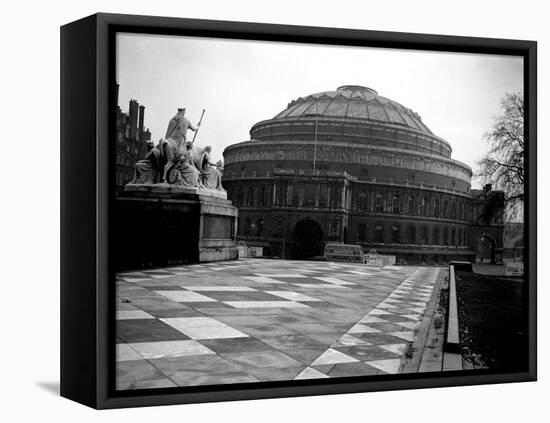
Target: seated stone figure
{"x": 188, "y": 174}
{"x": 148, "y": 170}
{"x": 211, "y": 177}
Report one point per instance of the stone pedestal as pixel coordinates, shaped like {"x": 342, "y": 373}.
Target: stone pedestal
{"x": 157, "y": 225}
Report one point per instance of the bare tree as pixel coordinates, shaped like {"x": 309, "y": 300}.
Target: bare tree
{"x": 503, "y": 165}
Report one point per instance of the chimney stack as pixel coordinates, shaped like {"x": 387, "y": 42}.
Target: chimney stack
{"x": 116, "y": 95}
{"x": 141, "y": 118}
{"x": 133, "y": 115}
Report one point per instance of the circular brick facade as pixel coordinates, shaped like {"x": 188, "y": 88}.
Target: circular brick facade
{"x": 365, "y": 168}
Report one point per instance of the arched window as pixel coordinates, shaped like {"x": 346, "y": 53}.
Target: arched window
{"x": 445, "y": 209}
{"x": 363, "y": 201}
{"x": 395, "y": 234}
{"x": 363, "y": 231}
{"x": 259, "y": 227}
{"x": 379, "y": 233}
{"x": 453, "y": 236}
{"x": 411, "y": 205}
{"x": 379, "y": 203}
{"x": 425, "y": 206}
{"x": 395, "y": 204}
{"x": 261, "y": 199}
{"x": 279, "y": 228}
{"x": 446, "y": 236}
{"x": 425, "y": 238}
{"x": 240, "y": 193}
{"x": 412, "y": 234}
{"x": 436, "y": 207}
{"x": 436, "y": 240}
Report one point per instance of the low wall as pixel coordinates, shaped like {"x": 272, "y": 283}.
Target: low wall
{"x": 452, "y": 357}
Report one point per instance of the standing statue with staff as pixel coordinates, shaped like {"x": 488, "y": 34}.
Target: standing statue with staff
{"x": 173, "y": 144}
{"x": 176, "y": 161}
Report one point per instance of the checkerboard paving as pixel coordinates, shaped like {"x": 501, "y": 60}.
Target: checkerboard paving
{"x": 261, "y": 320}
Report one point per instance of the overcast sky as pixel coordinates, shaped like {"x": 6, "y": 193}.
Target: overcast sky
{"x": 242, "y": 82}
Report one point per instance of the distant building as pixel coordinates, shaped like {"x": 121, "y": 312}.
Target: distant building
{"x": 131, "y": 141}
{"x": 513, "y": 241}
{"x": 352, "y": 166}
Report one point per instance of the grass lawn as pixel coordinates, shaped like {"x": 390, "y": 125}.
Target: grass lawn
{"x": 493, "y": 321}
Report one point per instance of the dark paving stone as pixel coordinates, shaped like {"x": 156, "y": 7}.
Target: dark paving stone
{"x": 130, "y": 374}
{"x": 186, "y": 312}
{"x": 325, "y": 338}
{"x": 243, "y": 296}
{"x": 261, "y": 331}
{"x": 305, "y": 279}
{"x": 287, "y": 342}
{"x": 244, "y": 320}
{"x": 367, "y": 352}
{"x": 379, "y": 338}
{"x": 235, "y": 345}
{"x": 273, "y": 374}
{"x": 201, "y": 378}
{"x": 352, "y": 369}
{"x": 163, "y": 287}
{"x": 386, "y": 327}
{"x": 323, "y": 305}
{"x": 393, "y": 318}
{"x": 156, "y": 304}
{"x": 174, "y": 366}
{"x": 262, "y": 359}
{"x": 146, "y": 330}
{"x": 209, "y": 304}
{"x": 306, "y": 355}
{"x": 310, "y": 328}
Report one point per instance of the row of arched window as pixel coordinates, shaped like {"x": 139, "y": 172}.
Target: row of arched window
{"x": 428, "y": 205}
{"x": 250, "y": 196}
{"x": 395, "y": 233}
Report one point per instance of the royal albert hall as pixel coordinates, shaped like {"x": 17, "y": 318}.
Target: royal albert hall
{"x": 354, "y": 167}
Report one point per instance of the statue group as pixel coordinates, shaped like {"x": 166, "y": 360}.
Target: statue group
{"x": 176, "y": 161}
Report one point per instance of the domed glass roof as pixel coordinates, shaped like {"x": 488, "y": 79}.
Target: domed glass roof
{"x": 356, "y": 102}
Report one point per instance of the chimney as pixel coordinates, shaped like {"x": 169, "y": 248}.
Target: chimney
{"x": 116, "y": 95}
{"x": 133, "y": 118}
{"x": 141, "y": 118}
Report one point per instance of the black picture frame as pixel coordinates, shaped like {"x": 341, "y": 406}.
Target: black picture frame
{"x": 87, "y": 166}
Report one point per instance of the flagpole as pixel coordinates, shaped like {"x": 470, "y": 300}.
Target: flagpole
{"x": 315, "y": 143}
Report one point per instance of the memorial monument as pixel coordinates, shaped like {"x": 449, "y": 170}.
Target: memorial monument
{"x": 175, "y": 210}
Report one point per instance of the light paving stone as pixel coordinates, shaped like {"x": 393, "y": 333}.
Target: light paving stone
{"x": 359, "y": 328}
{"x": 265, "y": 304}
{"x": 292, "y": 296}
{"x": 394, "y": 348}
{"x": 152, "y": 350}
{"x": 332, "y": 356}
{"x": 407, "y": 336}
{"x": 125, "y": 352}
{"x": 348, "y": 340}
{"x": 203, "y": 328}
{"x": 263, "y": 279}
{"x": 309, "y": 373}
{"x": 213, "y": 288}
{"x": 334, "y": 280}
{"x": 390, "y": 366}
{"x": 186, "y": 296}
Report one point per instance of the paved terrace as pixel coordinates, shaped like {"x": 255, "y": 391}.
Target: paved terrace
{"x": 263, "y": 320}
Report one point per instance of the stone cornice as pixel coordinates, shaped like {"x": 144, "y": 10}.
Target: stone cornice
{"x": 343, "y": 152}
